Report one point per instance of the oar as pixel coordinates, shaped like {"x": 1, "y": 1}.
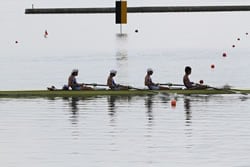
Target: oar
{"x": 94, "y": 84}
{"x": 227, "y": 90}
{"x": 147, "y": 90}
{"x": 181, "y": 85}
{"x": 171, "y": 84}
{"x": 132, "y": 87}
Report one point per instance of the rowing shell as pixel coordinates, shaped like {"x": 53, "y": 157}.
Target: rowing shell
{"x": 84, "y": 93}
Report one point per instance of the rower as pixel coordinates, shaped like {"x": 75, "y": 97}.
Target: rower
{"x": 111, "y": 82}
{"x": 74, "y": 84}
{"x": 188, "y": 84}
{"x": 150, "y": 84}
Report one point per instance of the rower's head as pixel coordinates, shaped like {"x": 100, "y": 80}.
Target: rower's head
{"x": 113, "y": 72}
{"x": 150, "y": 71}
{"x": 188, "y": 70}
{"x": 74, "y": 72}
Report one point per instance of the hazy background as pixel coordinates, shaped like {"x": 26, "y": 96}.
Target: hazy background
{"x": 166, "y": 42}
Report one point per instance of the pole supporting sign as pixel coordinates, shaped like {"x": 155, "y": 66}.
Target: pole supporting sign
{"x": 121, "y": 12}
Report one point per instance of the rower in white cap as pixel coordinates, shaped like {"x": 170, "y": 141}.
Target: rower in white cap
{"x": 74, "y": 84}
{"x": 150, "y": 84}
{"x": 111, "y": 82}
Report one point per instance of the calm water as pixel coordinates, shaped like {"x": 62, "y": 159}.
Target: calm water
{"x": 126, "y": 131}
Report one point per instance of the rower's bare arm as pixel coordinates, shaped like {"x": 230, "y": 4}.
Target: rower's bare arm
{"x": 109, "y": 82}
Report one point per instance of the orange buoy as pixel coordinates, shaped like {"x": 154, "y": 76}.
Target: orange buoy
{"x": 212, "y": 66}
{"x": 173, "y": 103}
{"x": 224, "y": 55}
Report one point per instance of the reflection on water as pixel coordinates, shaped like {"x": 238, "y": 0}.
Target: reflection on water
{"x": 122, "y": 57}
{"x": 149, "y": 107}
{"x": 187, "y": 108}
{"x": 73, "y": 103}
{"x": 188, "y": 122}
{"x": 111, "y": 105}
{"x": 74, "y": 109}
{"x": 125, "y": 131}
{"x": 112, "y": 100}
{"x": 73, "y": 106}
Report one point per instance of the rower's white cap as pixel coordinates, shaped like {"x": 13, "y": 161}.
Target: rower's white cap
{"x": 113, "y": 71}
{"x": 149, "y": 70}
{"x": 75, "y": 70}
